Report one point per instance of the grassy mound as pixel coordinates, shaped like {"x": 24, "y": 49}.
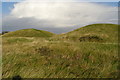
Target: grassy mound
{"x": 107, "y": 32}
{"x": 29, "y": 33}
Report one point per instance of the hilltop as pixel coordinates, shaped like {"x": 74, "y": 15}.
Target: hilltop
{"x": 89, "y": 33}
{"x": 94, "y": 32}
{"x": 28, "y": 33}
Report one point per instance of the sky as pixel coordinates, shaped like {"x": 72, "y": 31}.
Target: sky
{"x": 66, "y": 0}
{"x": 56, "y": 17}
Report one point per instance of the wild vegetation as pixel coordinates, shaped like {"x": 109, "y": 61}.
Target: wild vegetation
{"x": 88, "y": 52}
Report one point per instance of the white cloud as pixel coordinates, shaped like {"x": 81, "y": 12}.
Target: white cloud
{"x": 60, "y": 14}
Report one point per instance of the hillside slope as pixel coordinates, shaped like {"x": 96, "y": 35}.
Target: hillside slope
{"x": 62, "y": 56}
{"x": 28, "y": 33}
{"x": 104, "y": 32}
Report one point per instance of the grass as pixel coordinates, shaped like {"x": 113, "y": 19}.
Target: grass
{"x": 56, "y": 57}
{"x": 109, "y": 32}
{"x": 29, "y": 33}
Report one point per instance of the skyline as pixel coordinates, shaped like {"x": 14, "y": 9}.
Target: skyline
{"x": 57, "y": 26}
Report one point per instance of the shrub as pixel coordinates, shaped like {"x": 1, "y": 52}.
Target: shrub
{"x": 44, "y": 50}
{"x": 90, "y": 38}
{"x": 4, "y": 32}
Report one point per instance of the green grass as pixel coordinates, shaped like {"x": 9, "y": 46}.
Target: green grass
{"x": 108, "y": 32}
{"x": 29, "y": 33}
{"x": 17, "y": 40}
{"x": 58, "y": 57}
{"x": 82, "y": 60}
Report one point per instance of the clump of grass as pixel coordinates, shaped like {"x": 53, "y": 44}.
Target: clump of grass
{"x": 90, "y": 38}
{"x": 43, "y": 51}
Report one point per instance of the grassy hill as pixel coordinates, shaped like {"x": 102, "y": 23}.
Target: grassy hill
{"x": 76, "y": 54}
{"x": 28, "y": 33}
{"x": 94, "y": 32}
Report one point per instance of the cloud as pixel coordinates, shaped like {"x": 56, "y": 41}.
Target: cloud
{"x": 42, "y": 15}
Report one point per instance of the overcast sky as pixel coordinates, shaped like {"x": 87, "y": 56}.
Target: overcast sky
{"x": 57, "y": 17}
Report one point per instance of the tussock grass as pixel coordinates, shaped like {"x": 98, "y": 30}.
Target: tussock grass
{"x": 58, "y": 57}
{"x": 66, "y": 60}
